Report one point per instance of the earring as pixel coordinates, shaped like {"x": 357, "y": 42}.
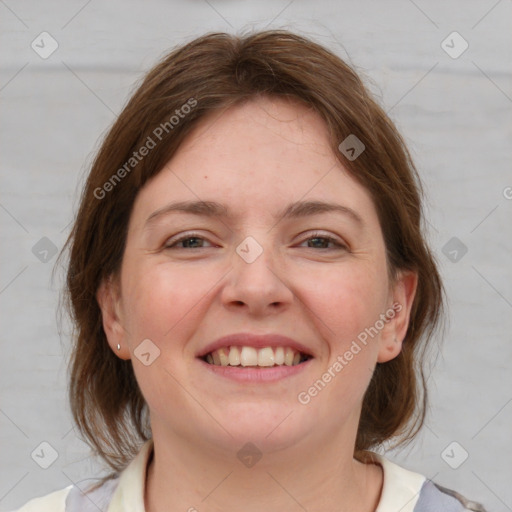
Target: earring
{"x": 118, "y": 346}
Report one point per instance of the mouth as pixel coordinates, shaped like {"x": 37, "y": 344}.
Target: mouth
{"x": 253, "y": 357}
{"x": 249, "y": 358}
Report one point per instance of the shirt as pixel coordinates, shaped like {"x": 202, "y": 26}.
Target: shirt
{"x": 402, "y": 490}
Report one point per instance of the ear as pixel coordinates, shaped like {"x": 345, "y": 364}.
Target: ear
{"x": 108, "y": 297}
{"x": 398, "y": 313}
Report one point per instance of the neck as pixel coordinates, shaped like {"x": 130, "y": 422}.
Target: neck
{"x": 183, "y": 476}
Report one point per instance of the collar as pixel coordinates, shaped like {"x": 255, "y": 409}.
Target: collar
{"x": 129, "y": 493}
{"x": 400, "y": 490}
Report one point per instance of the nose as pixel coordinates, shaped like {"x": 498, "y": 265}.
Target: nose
{"x": 256, "y": 285}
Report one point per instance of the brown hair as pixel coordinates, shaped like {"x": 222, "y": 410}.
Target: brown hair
{"x": 212, "y": 72}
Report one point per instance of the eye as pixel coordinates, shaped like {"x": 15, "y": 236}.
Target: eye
{"x": 322, "y": 241}
{"x": 189, "y": 241}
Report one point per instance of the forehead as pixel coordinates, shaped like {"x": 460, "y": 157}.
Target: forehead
{"x": 268, "y": 126}
{"x": 256, "y": 156}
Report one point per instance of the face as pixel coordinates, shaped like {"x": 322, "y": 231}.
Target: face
{"x": 269, "y": 259}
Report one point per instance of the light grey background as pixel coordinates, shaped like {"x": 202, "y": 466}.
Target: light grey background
{"x": 453, "y": 112}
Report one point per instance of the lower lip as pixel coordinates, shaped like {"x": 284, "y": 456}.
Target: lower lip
{"x": 269, "y": 374}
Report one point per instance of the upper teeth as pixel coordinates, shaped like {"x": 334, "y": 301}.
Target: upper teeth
{"x": 250, "y": 356}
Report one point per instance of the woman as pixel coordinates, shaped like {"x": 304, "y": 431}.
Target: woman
{"x": 252, "y": 292}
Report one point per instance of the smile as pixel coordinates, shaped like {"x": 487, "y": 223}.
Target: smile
{"x": 246, "y": 356}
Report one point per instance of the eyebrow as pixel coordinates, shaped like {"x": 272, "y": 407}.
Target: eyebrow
{"x": 294, "y": 210}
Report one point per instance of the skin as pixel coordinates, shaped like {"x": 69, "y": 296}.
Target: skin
{"x": 255, "y": 159}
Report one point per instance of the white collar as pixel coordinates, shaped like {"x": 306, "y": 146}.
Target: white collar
{"x": 400, "y": 490}
{"x": 401, "y": 487}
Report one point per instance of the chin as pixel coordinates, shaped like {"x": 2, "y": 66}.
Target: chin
{"x": 270, "y": 427}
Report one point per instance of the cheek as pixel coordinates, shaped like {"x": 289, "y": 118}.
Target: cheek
{"x": 345, "y": 301}
{"x": 162, "y": 300}
{"x": 164, "y": 303}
